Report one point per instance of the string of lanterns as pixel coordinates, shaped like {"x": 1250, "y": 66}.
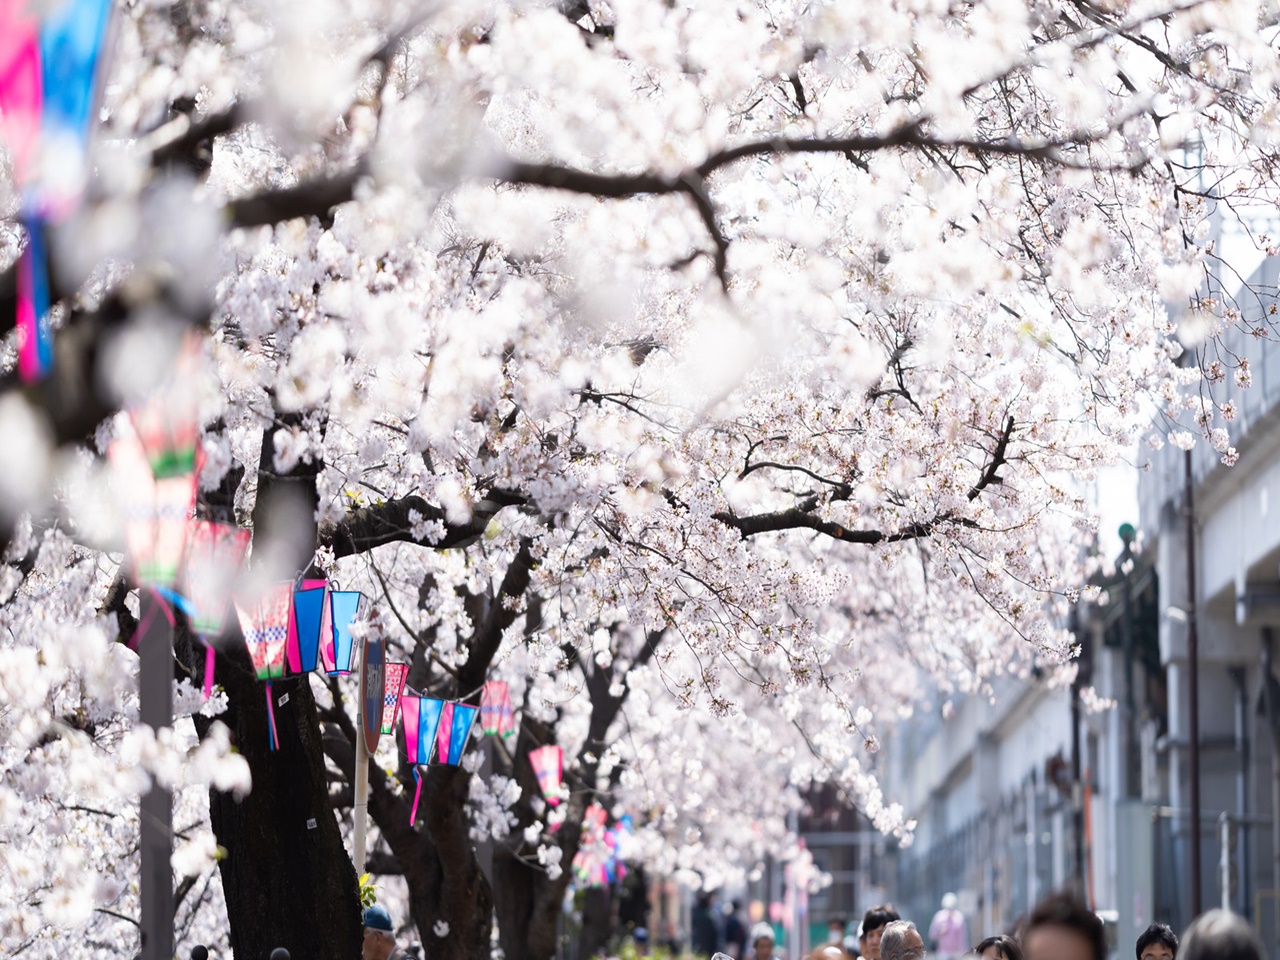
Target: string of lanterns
{"x": 290, "y": 628}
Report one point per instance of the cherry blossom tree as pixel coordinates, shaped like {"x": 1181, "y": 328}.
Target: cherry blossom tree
{"x": 719, "y": 375}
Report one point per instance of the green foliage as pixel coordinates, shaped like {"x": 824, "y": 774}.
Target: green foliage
{"x": 368, "y": 892}
{"x": 627, "y": 951}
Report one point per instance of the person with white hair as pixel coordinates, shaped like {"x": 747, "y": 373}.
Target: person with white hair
{"x": 762, "y": 942}
{"x": 948, "y": 932}
{"x": 901, "y": 941}
{"x": 1221, "y": 935}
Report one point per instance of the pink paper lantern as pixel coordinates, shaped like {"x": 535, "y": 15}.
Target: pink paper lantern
{"x": 548, "y": 766}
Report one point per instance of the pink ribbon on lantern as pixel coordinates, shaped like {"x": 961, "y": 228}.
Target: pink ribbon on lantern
{"x": 417, "y": 794}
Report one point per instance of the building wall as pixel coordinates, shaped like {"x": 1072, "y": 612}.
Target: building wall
{"x": 1236, "y": 519}
{"x": 991, "y": 828}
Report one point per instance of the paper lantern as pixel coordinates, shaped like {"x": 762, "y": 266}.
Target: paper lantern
{"x": 214, "y": 554}
{"x": 548, "y": 766}
{"x": 456, "y": 721}
{"x": 21, "y": 96}
{"x": 393, "y": 686}
{"x": 590, "y": 863}
{"x": 265, "y": 622}
{"x": 496, "y": 716}
{"x": 421, "y": 716}
{"x": 70, "y": 49}
{"x": 306, "y": 625}
{"x": 336, "y": 644}
{"x": 156, "y": 512}
{"x": 168, "y": 425}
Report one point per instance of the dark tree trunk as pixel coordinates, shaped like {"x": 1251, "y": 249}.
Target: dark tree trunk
{"x": 287, "y": 878}
{"x": 435, "y": 854}
{"x": 597, "y": 921}
{"x": 528, "y": 901}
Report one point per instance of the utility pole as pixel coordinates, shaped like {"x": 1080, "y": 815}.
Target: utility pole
{"x": 1127, "y": 534}
{"x": 1271, "y": 695}
{"x": 1077, "y": 782}
{"x": 1193, "y": 683}
{"x": 155, "y": 694}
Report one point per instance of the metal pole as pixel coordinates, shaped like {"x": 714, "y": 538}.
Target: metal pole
{"x": 1126, "y": 567}
{"x": 1241, "y": 836}
{"x": 1193, "y": 682}
{"x": 1273, "y": 723}
{"x": 1077, "y": 798}
{"x": 155, "y": 694}
{"x": 362, "y": 789}
{"x": 1224, "y": 858}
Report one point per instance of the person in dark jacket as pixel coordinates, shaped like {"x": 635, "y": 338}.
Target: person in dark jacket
{"x": 705, "y": 932}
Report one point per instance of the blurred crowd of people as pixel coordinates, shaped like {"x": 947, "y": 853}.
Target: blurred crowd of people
{"x": 1060, "y": 927}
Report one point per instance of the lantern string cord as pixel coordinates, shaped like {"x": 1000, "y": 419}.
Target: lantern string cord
{"x": 466, "y": 696}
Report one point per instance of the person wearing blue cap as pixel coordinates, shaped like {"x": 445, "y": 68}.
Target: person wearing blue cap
{"x": 379, "y": 936}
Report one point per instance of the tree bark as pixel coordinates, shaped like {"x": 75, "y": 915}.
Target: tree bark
{"x": 439, "y": 864}
{"x": 597, "y": 921}
{"x": 286, "y": 876}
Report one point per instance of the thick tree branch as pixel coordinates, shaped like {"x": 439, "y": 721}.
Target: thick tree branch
{"x": 798, "y": 519}
{"x": 388, "y": 522}
{"x": 801, "y": 517}
{"x": 312, "y": 199}
{"x": 502, "y": 613}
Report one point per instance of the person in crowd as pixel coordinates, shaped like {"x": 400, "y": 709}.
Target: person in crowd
{"x": 704, "y": 926}
{"x": 1001, "y": 947}
{"x": 762, "y": 942}
{"x": 948, "y": 932}
{"x": 1157, "y": 942}
{"x": 827, "y": 951}
{"x": 640, "y": 937}
{"x": 1063, "y": 928}
{"x": 873, "y": 923}
{"x": 379, "y": 936}
{"x": 900, "y": 940}
{"x": 735, "y": 931}
{"x": 1221, "y": 935}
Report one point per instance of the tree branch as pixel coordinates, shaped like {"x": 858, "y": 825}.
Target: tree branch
{"x": 487, "y": 638}
{"x": 997, "y": 461}
{"x": 312, "y": 199}
{"x": 388, "y": 522}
